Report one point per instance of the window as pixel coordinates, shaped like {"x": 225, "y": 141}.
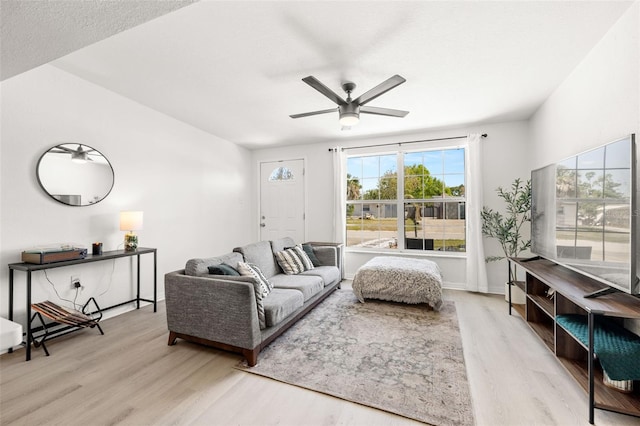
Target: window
{"x": 372, "y": 202}
{"x": 428, "y": 189}
{"x": 281, "y": 173}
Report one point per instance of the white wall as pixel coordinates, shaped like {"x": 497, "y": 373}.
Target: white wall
{"x": 598, "y": 103}
{"x": 191, "y": 185}
{"x": 502, "y": 156}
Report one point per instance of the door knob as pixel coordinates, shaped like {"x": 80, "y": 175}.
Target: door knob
{"x": 262, "y": 225}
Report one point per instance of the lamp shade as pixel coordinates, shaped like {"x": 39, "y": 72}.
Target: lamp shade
{"x": 130, "y": 221}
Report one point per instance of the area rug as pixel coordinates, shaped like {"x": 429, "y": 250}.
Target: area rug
{"x": 405, "y": 359}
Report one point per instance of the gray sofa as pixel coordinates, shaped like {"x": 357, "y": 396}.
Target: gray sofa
{"x": 222, "y": 311}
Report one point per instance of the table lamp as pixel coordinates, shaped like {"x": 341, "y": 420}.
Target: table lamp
{"x": 130, "y": 221}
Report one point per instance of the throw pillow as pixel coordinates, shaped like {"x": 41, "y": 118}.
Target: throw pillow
{"x": 312, "y": 256}
{"x": 262, "y": 318}
{"x": 294, "y": 260}
{"x": 222, "y": 269}
{"x": 308, "y": 264}
{"x": 251, "y": 270}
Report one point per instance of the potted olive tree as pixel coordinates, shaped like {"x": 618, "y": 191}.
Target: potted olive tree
{"x": 507, "y": 228}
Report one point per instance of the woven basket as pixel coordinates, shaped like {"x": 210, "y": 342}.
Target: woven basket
{"x": 625, "y": 386}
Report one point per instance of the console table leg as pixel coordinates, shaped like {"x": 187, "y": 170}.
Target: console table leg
{"x": 155, "y": 281}
{"x": 138, "y": 292}
{"x": 28, "y": 312}
{"x": 11, "y": 300}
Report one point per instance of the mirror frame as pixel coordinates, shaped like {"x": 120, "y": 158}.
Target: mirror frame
{"x": 87, "y": 147}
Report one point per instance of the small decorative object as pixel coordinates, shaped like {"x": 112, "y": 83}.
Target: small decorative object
{"x": 96, "y": 248}
{"x": 624, "y": 386}
{"x": 130, "y": 221}
{"x": 54, "y": 253}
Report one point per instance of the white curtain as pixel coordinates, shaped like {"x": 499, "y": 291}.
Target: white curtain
{"x": 476, "y": 267}
{"x": 340, "y": 195}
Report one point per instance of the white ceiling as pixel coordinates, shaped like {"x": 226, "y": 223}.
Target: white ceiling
{"x": 34, "y": 32}
{"x": 234, "y": 69}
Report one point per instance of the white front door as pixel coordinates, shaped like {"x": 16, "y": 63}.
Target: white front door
{"x": 282, "y": 200}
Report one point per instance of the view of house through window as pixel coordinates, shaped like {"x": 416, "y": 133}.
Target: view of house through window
{"x": 407, "y": 200}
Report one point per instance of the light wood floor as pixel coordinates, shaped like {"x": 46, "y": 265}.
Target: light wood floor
{"x": 130, "y": 376}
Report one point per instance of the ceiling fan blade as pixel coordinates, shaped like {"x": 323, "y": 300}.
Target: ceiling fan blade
{"x": 307, "y": 114}
{"x": 380, "y": 89}
{"x": 316, "y": 84}
{"x": 64, "y": 149}
{"x": 383, "y": 111}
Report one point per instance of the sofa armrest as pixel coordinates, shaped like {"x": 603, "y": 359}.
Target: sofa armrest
{"x": 215, "y": 309}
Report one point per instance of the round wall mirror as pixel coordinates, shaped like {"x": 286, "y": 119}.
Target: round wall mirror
{"x": 75, "y": 174}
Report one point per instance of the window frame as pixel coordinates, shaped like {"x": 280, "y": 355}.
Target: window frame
{"x": 401, "y": 199}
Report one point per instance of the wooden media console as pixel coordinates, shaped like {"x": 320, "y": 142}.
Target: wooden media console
{"x": 554, "y": 291}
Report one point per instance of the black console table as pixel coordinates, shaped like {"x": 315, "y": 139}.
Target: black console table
{"x": 29, "y": 268}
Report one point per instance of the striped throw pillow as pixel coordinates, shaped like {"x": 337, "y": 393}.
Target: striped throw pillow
{"x": 251, "y": 270}
{"x": 294, "y": 260}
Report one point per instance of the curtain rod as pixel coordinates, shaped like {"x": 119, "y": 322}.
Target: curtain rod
{"x": 484, "y": 135}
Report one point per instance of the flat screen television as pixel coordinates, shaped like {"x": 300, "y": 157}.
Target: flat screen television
{"x": 584, "y": 214}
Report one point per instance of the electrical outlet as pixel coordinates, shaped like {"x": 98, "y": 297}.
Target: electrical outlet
{"x": 75, "y": 282}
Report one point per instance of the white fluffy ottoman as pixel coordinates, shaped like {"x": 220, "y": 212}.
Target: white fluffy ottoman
{"x": 399, "y": 279}
{"x": 10, "y": 334}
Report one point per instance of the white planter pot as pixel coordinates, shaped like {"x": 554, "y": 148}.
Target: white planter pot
{"x": 517, "y": 295}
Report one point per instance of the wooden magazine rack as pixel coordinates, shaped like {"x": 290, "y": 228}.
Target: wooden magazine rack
{"x": 64, "y": 321}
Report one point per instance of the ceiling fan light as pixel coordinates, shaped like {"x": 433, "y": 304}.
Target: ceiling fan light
{"x": 349, "y": 119}
{"x": 79, "y": 157}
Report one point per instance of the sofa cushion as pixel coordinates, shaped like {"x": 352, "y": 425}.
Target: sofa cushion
{"x": 293, "y": 260}
{"x": 309, "y": 285}
{"x": 200, "y": 267}
{"x": 253, "y": 271}
{"x": 281, "y": 303}
{"x": 259, "y": 254}
{"x": 223, "y": 269}
{"x": 282, "y": 244}
{"x": 327, "y": 255}
{"x": 329, "y": 274}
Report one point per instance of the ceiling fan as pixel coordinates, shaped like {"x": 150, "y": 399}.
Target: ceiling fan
{"x": 350, "y": 109}
{"x": 78, "y": 155}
